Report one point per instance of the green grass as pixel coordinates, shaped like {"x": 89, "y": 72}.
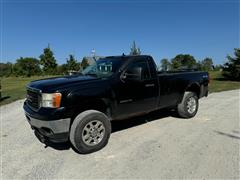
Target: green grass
{"x": 14, "y": 88}
{"x": 218, "y": 83}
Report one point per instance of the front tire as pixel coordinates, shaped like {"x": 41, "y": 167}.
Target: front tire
{"x": 90, "y": 131}
{"x": 189, "y": 106}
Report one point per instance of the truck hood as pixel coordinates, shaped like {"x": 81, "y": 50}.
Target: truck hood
{"x": 54, "y": 84}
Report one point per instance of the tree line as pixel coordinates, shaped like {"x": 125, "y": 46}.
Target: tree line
{"x": 46, "y": 64}
{"x": 187, "y": 61}
{"x": 230, "y": 69}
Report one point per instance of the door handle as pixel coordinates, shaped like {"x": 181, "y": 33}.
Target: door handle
{"x": 149, "y": 85}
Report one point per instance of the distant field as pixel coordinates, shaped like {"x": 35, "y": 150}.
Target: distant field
{"x": 218, "y": 83}
{"x": 13, "y": 88}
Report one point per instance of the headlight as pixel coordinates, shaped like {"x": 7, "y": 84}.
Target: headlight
{"x": 52, "y": 100}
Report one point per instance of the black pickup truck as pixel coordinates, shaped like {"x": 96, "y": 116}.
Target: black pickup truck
{"x": 80, "y": 107}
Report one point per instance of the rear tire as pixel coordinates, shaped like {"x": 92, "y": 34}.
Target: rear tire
{"x": 90, "y": 131}
{"x": 189, "y": 106}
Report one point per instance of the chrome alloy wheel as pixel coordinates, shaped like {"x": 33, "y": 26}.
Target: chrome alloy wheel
{"x": 191, "y": 105}
{"x": 93, "y": 133}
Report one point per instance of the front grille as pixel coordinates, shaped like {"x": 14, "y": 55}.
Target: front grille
{"x": 33, "y": 98}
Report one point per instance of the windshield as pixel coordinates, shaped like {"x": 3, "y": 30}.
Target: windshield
{"x": 103, "y": 67}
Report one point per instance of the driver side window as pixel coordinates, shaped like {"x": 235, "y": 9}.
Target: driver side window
{"x": 143, "y": 65}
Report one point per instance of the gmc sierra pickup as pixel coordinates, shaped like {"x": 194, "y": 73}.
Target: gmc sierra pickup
{"x": 80, "y": 107}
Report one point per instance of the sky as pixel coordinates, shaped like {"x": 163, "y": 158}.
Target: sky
{"x": 163, "y": 29}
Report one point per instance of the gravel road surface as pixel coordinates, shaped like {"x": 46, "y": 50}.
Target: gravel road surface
{"x": 153, "y": 146}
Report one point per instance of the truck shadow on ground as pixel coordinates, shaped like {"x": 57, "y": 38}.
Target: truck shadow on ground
{"x": 120, "y": 125}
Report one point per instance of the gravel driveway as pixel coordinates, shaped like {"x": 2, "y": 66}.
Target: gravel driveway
{"x": 155, "y": 146}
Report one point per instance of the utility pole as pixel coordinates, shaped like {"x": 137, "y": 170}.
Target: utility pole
{"x": 93, "y": 54}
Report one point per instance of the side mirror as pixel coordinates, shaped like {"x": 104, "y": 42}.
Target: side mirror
{"x": 133, "y": 74}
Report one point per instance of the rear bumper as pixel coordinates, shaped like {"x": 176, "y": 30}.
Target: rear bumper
{"x": 55, "y": 130}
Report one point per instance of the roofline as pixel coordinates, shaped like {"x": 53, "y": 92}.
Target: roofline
{"x": 127, "y": 56}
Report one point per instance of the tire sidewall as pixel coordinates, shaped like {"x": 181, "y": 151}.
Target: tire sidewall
{"x": 77, "y": 129}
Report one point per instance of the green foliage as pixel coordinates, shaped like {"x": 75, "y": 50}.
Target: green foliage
{"x": 217, "y": 67}
{"x": 165, "y": 65}
{"x": 218, "y": 83}
{"x": 27, "y": 67}
{"x": 231, "y": 69}
{"x": 48, "y": 61}
{"x": 62, "y": 69}
{"x": 207, "y": 64}
{"x": 14, "y": 88}
{"x": 72, "y": 64}
{"x": 134, "y": 49}
{"x": 84, "y": 63}
{"x": 6, "y": 69}
{"x": 183, "y": 61}
{"x": 199, "y": 65}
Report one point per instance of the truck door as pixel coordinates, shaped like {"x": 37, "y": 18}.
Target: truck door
{"x": 137, "y": 97}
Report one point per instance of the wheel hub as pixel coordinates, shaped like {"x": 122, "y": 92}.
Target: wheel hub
{"x": 191, "y": 105}
{"x": 93, "y": 132}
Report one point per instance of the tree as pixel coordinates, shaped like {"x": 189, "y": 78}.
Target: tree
{"x": 199, "y": 65}
{"x": 84, "y": 63}
{"x": 6, "y": 69}
{"x": 48, "y": 61}
{"x": 231, "y": 69}
{"x": 72, "y": 64}
{"x": 27, "y": 67}
{"x": 165, "y": 64}
{"x": 207, "y": 64}
{"x": 62, "y": 69}
{"x": 217, "y": 67}
{"x": 183, "y": 61}
{"x": 134, "y": 49}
